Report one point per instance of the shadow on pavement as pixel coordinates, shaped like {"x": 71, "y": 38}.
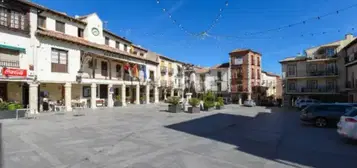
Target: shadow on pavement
{"x": 276, "y": 135}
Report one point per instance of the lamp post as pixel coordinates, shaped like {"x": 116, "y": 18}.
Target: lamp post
{"x": 84, "y": 58}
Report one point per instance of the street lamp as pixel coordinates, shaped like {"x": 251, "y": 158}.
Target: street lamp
{"x": 84, "y": 58}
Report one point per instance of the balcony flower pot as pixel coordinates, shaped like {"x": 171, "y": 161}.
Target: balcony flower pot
{"x": 194, "y": 102}
{"x": 174, "y": 104}
{"x": 219, "y": 103}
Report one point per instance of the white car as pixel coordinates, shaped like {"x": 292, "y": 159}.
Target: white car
{"x": 347, "y": 127}
{"x": 306, "y": 102}
{"x": 249, "y": 103}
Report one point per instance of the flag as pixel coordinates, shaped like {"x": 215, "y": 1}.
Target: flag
{"x": 143, "y": 68}
{"x": 134, "y": 71}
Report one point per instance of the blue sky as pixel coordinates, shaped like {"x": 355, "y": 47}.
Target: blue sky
{"x": 145, "y": 23}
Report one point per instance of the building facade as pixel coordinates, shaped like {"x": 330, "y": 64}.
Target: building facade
{"x": 349, "y": 53}
{"x": 270, "y": 86}
{"x": 171, "y": 78}
{"x": 319, "y": 74}
{"x": 48, "y": 56}
{"x": 245, "y": 67}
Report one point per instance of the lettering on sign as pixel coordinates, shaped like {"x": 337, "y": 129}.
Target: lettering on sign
{"x": 14, "y": 72}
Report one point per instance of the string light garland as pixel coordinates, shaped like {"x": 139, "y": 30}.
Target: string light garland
{"x": 218, "y": 17}
{"x": 174, "y": 21}
{"x": 335, "y": 12}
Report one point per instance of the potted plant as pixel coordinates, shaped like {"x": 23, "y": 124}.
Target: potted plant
{"x": 194, "y": 102}
{"x": 208, "y": 101}
{"x": 142, "y": 100}
{"x": 219, "y": 103}
{"x": 174, "y": 104}
{"x": 8, "y": 110}
{"x": 117, "y": 101}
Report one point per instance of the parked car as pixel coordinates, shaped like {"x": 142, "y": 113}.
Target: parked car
{"x": 249, "y": 103}
{"x": 347, "y": 127}
{"x": 323, "y": 114}
{"x": 306, "y": 102}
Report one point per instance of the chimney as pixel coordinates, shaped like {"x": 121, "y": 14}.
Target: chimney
{"x": 349, "y": 37}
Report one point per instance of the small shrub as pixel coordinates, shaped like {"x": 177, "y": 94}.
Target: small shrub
{"x": 173, "y": 100}
{"x": 208, "y": 104}
{"x": 194, "y": 102}
{"x": 3, "y": 105}
{"x": 18, "y": 106}
{"x": 220, "y": 101}
{"x": 117, "y": 98}
{"x": 11, "y": 107}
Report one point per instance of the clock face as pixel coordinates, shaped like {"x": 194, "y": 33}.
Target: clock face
{"x": 95, "y": 31}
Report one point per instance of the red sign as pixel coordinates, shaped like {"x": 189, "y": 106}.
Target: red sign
{"x": 14, "y": 72}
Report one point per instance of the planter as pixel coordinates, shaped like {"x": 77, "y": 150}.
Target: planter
{"x": 6, "y": 114}
{"x": 174, "y": 108}
{"x": 193, "y": 109}
{"x": 208, "y": 109}
{"x": 117, "y": 104}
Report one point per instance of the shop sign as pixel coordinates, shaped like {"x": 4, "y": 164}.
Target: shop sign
{"x": 9, "y": 72}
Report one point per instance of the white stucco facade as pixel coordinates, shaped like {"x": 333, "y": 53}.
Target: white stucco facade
{"x": 72, "y": 75}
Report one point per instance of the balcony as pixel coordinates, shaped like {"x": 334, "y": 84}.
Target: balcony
{"x": 313, "y": 74}
{"x": 8, "y": 63}
{"x": 351, "y": 85}
{"x": 318, "y": 90}
{"x": 171, "y": 71}
{"x": 179, "y": 73}
{"x": 170, "y": 84}
{"x": 351, "y": 59}
{"x": 163, "y": 69}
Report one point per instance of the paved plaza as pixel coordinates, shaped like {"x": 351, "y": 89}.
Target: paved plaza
{"x": 145, "y": 136}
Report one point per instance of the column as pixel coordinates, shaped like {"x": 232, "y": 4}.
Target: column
{"x": 147, "y": 94}
{"x": 123, "y": 95}
{"x": 137, "y": 94}
{"x": 93, "y": 96}
{"x": 156, "y": 94}
{"x": 240, "y": 99}
{"x": 172, "y": 93}
{"x": 110, "y": 95}
{"x": 33, "y": 102}
{"x": 249, "y": 96}
{"x": 68, "y": 96}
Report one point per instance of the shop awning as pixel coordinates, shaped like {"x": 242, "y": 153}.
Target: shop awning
{"x": 13, "y": 48}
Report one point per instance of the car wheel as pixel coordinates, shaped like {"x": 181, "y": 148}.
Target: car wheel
{"x": 321, "y": 122}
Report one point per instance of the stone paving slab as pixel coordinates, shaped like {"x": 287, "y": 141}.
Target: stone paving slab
{"x": 143, "y": 136}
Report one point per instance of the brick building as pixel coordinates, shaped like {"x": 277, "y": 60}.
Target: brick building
{"x": 245, "y": 65}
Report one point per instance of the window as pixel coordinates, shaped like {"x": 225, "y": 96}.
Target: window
{"x": 104, "y": 68}
{"x": 106, "y": 41}
{"x": 60, "y": 26}
{"x": 135, "y": 53}
{"x": 253, "y": 73}
{"x": 13, "y": 19}
{"x": 219, "y": 87}
{"x": 41, "y": 21}
{"x": 151, "y": 75}
{"x": 86, "y": 90}
{"x": 330, "y": 52}
{"x": 125, "y": 47}
{"x": 219, "y": 75}
{"x": 252, "y": 60}
{"x": 80, "y": 32}
{"x": 291, "y": 70}
{"x": 118, "y": 70}
{"x": 59, "y": 62}
{"x": 312, "y": 84}
{"x": 117, "y": 44}
{"x": 292, "y": 86}
{"x": 141, "y": 54}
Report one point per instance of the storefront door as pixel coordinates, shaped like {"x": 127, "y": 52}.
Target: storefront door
{"x": 3, "y": 91}
{"x": 25, "y": 94}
